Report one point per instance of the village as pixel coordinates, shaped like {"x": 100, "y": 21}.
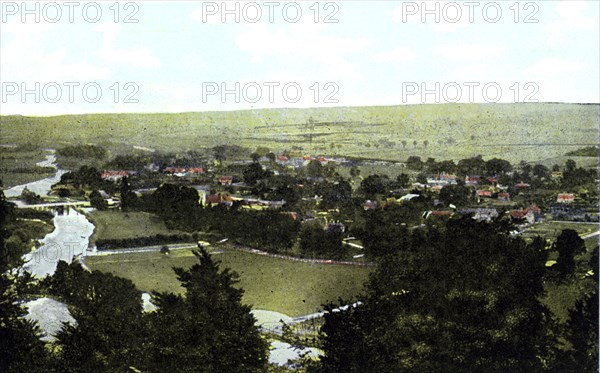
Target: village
{"x": 335, "y": 193}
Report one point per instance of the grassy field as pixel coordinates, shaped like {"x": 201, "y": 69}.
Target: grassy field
{"x": 18, "y": 166}
{"x": 533, "y": 132}
{"x": 551, "y": 229}
{"x": 290, "y": 287}
{"x": 114, "y": 224}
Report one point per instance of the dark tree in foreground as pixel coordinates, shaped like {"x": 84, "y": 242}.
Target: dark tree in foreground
{"x": 582, "y": 330}
{"x": 568, "y": 244}
{"x": 208, "y": 329}
{"x": 20, "y": 347}
{"x": 108, "y": 313}
{"x": 463, "y": 298}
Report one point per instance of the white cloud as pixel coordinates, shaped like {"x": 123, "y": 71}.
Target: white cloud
{"x": 303, "y": 42}
{"x": 398, "y": 54}
{"x": 552, "y": 66}
{"x": 28, "y": 56}
{"x": 452, "y": 15}
{"x": 572, "y": 16}
{"x": 468, "y": 52}
{"x": 137, "y": 57}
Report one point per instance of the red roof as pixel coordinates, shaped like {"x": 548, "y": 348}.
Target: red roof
{"x": 565, "y": 197}
{"x": 522, "y": 185}
{"x": 196, "y": 170}
{"x": 175, "y": 170}
{"x": 484, "y": 193}
{"x": 107, "y": 174}
{"x": 283, "y": 158}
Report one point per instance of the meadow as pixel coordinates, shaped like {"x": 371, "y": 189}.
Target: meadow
{"x": 18, "y": 165}
{"x": 289, "y": 287}
{"x": 115, "y": 224}
{"x": 533, "y": 132}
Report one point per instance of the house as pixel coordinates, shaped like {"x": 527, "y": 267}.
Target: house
{"x": 557, "y": 174}
{"x": 565, "y": 198}
{"x": 520, "y": 215}
{"x": 530, "y": 214}
{"x": 335, "y": 227}
{"x": 195, "y": 170}
{"x": 114, "y": 175}
{"x": 504, "y": 196}
{"x": 225, "y": 180}
{"x": 442, "y": 179}
{"x": 283, "y": 159}
{"x": 484, "y": 193}
{"x": 522, "y": 186}
{"x": 174, "y": 170}
{"x": 370, "y": 205}
{"x": 481, "y": 214}
{"x": 472, "y": 179}
{"x": 492, "y": 180}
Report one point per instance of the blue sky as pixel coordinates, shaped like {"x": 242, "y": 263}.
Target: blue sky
{"x": 179, "y": 56}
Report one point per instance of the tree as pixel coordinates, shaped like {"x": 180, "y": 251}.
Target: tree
{"x": 30, "y": 197}
{"x": 567, "y": 244}
{"x": 403, "y": 180}
{"x": 497, "y": 166}
{"x": 354, "y": 171}
{"x": 254, "y": 172}
{"x": 541, "y": 171}
{"x": 97, "y": 202}
{"x": 207, "y": 330}
{"x": 109, "y": 331}
{"x": 570, "y": 165}
{"x": 460, "y": 298}
{"x": 316, "y": 242}
{"x": 454, "y": 194}
{"x": 128, "y": 197}
{"x": 372, "y": 185}
{"x": 404, "y": 144}
{"x": 582, "y": 329}
{"x": 415, "y": 143}
{"x": 314, "y": 169}
{"x": 20, "y": 347}
{"x": 414, "y": 163}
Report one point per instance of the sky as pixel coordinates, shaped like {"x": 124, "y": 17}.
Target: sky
{"x": 151, "y": 56}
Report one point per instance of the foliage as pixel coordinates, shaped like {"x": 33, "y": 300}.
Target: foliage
{"x": 590, "y": 151}
{"x": 109, "y": 327}
{"x": 567, "y": 244}
{"x": 207, "y": 330}
{"x": 20, "y": 347}
{"x": 83, "y": 151}
{"x": 97, "y": 202}
{"x": 316, "y": 242}
{"x": 459, "y": 298}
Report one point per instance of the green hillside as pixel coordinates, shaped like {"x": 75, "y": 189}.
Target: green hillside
{"x": 533, "y": 131}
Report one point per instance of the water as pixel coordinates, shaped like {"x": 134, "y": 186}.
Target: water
{"x": 69, "y": 239}
{"x": 39, "y": 187}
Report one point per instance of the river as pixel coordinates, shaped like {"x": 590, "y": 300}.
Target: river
{"x": 69, "y": 239}
{"x": 39, "y": 187}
